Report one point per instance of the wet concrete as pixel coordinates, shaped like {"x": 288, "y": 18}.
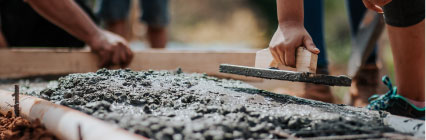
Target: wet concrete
{"x": 176, "y": 105}
{"x": 274, "y": 73}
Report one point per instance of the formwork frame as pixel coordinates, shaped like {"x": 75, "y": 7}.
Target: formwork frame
{"x": 25, "y": 62}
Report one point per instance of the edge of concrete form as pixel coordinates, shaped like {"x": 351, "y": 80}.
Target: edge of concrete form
{"x": 406, "y": 125}
{"x": 60, "y": 120}
{"x": 25, "y": 62}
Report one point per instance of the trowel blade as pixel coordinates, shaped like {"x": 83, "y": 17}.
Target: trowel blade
{"x": 286, "y": 75}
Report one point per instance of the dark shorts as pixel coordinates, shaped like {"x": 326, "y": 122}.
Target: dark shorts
{"x": 404, "y": 13}
{"x": 154, "y": 12}
{"x": 23, "y": 27}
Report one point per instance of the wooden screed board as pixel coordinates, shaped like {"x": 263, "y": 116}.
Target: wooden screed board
{"x": 17, "y": 63}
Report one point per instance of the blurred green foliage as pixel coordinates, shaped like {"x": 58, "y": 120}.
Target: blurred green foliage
{"x": 337, "y": 32}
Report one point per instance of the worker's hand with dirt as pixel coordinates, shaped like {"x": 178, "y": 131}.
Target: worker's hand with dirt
{"x": 111, "y": 49}
{"x": 376, "y": 5}
{"x": 286, "y": 40}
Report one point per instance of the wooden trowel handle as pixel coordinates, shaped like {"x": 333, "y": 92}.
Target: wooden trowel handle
{"x": 305, "y": 61}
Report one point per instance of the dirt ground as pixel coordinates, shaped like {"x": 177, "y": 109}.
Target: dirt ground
{"x": 17, "y": 128}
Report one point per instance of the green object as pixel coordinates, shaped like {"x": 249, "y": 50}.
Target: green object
{"x": 395, "y": 103}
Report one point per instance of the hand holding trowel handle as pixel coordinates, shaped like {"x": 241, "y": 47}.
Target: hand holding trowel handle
{"x": 290, "y": 34}
{"x": 293, "y": 47}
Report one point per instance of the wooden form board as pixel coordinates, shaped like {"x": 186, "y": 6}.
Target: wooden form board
{"x": 17, "y": 63}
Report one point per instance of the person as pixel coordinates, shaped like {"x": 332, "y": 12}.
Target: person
{"x": 365, "y": 83}
{"x": 406, "y": 30}
{"x": 405, "y": 24}
{"x": 155, "y": 14}
{"x": 59, "y": 23}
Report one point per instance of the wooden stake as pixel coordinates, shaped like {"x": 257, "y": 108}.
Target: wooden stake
{"x": 16, "y": 95}
{"x": 80, "y": 137}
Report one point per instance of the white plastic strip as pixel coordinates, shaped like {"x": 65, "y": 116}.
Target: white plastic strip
{"x": 63, "y": 121}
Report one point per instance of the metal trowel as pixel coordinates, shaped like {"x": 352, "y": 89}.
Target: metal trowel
{"x": 305, "y": 71}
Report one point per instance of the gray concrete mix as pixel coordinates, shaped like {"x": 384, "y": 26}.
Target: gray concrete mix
{"x": 176, "y": 105}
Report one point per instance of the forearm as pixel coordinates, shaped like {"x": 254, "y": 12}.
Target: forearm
{"x": 290, "y": 11}
{"x": 3, "y": 43}
{"x": 69, "y": 16}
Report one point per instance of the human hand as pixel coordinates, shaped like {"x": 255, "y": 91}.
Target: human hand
{"x": 111, "y": 49}
{"x": 285, "y": 42}
{"x": 376, "y": 5}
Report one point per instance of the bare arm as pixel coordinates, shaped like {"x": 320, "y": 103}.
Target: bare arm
{"x": 291, "y": 33}
{"x": 290, "y": 11}
{"x": 69, "y": 16}
{"x": 112, "y": 49}
{"x": 3, "y": 43}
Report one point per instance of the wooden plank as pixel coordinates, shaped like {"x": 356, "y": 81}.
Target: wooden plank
{"x": 305, "y": 61}
{"x": 17, "y": 63}
{"x": 264, "y": 59}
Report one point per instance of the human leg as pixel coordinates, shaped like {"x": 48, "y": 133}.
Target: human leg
{"x": 408, "y": 49}
{"x": 365, "y": 82}
{"x": 407, "y": 39}
{"x": 314, "y": 24}
{"x": 156, "y": 15}
{"x": 406, "y": 26}
{"x": 114, "y": 13}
